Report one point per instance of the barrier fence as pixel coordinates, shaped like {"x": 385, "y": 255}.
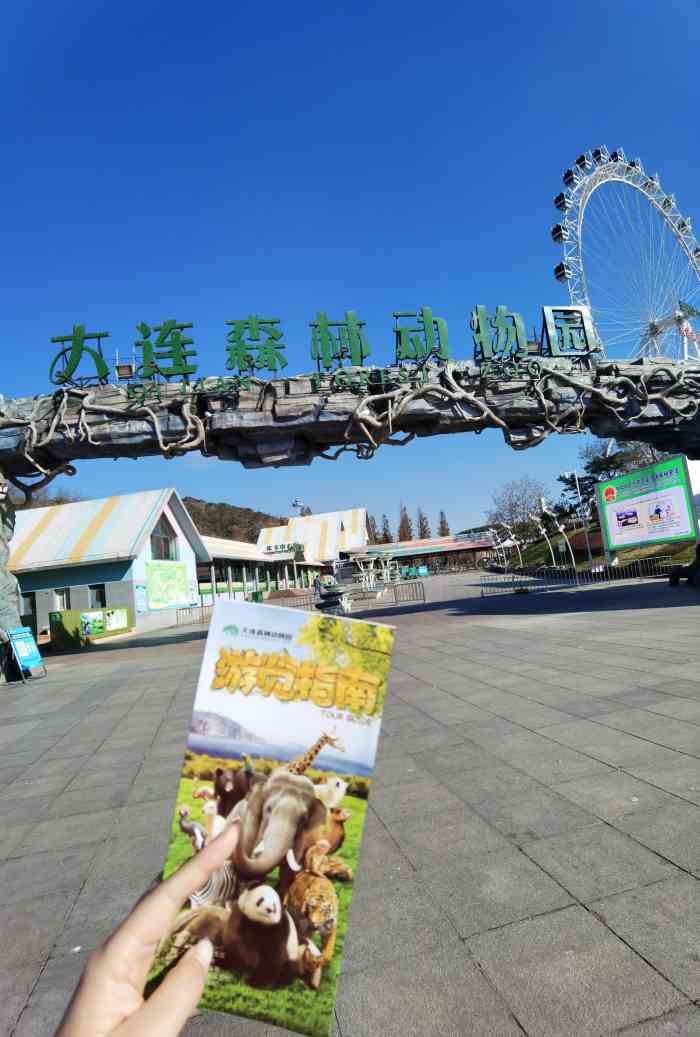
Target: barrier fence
{"x": 548, "y": 578}
{"x": 390, "y": 594}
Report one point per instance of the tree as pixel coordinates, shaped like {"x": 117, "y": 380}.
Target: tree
{"x": 305, "y": 511}
{"x": 443, "y": 525}
{"x": 599, "y": 463}
{"x": 515, "y": 502}
{"x": 405, "y": 530}
{"x": 42, "y": 499}
{"x": 423, "y": 525}
{"x": 372, "y": 531}
{"x": 386, "y": 536}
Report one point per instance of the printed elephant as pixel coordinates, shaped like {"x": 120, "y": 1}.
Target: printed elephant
{"x": 274, "y": 817}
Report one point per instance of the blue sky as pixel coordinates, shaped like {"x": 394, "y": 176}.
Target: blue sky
{"x": 206, "y": 162}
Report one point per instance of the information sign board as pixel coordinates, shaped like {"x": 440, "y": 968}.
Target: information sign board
{"x": 651, "y": 505}
{"x": 24, "y": 648}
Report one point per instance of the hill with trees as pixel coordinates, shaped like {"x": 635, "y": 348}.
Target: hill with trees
{"x": 228, "y": 520}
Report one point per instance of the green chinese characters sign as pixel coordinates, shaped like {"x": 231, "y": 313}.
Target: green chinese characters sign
{"x": 652, "y": 505}
{"x": 255, "y": 344}
{"x": 166, "y": 585}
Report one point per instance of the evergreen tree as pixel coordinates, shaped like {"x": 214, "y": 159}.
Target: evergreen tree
{"x": 443, "y": 525}
{"x": 405, "y": 530}
{"x": 423, "y": 525}
{"x": 386, "y": 536}
{"x": 372, "y": 531}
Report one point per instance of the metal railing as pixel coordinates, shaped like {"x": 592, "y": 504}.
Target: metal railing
{"x": 193, "y": 615}
{"x": 547, "y": 578}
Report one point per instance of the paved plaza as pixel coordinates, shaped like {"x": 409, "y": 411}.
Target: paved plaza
{"x": 532, "y": 848}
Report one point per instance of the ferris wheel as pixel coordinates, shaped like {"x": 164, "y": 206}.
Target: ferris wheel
{"x": 630, "y": 256}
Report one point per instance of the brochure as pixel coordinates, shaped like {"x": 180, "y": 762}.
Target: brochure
{"x": 283, "y": 737}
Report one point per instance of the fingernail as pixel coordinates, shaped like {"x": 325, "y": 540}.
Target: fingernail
{"x": 204, "y": 952}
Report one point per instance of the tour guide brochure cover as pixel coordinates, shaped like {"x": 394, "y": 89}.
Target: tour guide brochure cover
{"x": 283, "y": 736}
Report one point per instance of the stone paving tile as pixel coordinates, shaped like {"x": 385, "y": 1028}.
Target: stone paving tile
{"x": 63, "y": 833}
{"x": 397, "y": 770}
{"x": 533, "y": 814}
{"x": 662, "y": 923}
{"x": 605, "y": 743}
{"x": 466, "y": 756}
{"x": 24, "y": 878}
{"x": 88, "y": 800}
{"x": 672, "y": 831}
{"x": 684, "y": 1022}
{"x": 417, "y": 996}
{"x": 492, "y": 889}
{"x": 50, "y": 996}
{"x": 545, "y": 759}
{"x": 15, "y": 988}
{"x": 595, "y": 862}
{"x": 39, "y": 921}
{"x": 430, "y": 841}
{"x": 615, "y": 794}
{"x": 139, "y": 856}
{"x": 680, "y": 708}
{"x": 668, "y": 731}
{"x": 566, "y": 975}
{"x": 41, "y": 787}
{"x": 394, "y": 917}
{"x": 680, "y": 777}
{"x": 98, "y": 775}
{"x": 687, "y": 689}
{"x": 403, "y": 803}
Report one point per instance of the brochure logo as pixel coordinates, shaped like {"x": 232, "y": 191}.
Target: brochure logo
{"x": 610, "y": 494}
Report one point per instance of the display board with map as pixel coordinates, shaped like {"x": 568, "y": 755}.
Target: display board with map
{"x": 167, "y": 585}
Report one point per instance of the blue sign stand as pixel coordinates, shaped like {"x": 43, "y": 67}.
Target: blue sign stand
{"x": 25, "y": 651}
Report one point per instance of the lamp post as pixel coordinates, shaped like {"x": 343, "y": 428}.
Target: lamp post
{"x": 546, "y": 510}
{"x": 497, "y": 544}
{"x": 540, "y": 526}
{"x": 574, "y": 475}
{"x": 512, "y": 536}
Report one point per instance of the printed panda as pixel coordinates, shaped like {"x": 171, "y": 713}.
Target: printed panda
{"x": 255, "y": 937}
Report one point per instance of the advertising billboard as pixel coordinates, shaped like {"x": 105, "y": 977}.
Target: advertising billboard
{"x": 652, "y": 505}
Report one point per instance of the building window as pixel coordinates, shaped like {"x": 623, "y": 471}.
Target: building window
{"x": 61, "y": 597}
{"x": 98, "y": 596}
{"x": 28, "y": 604}
{"x": 164, "y": 545}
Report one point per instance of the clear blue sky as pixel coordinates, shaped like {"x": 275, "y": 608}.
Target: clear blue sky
{"x": 208, "y": 161}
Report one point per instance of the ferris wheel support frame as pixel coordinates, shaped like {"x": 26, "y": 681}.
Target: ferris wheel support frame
{"x": 580, "y": 185}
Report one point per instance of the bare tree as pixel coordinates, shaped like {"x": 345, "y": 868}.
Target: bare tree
{"x": 372, "y": 531}
{"x": 443, "y": 525}
{"x": 386, "y": 535}
{"x": 423, "y": 525}
{"x": 515, "y": 502}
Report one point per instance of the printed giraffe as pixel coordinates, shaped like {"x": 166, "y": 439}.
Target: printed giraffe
{"x": 304, "y": 762}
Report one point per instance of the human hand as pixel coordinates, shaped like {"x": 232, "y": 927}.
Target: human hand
{"x": 109, "y": 999}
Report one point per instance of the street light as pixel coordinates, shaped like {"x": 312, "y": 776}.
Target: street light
{"x": 574, "y": 475}
{"x": 512, "y": 536}
{"x": 541, "y": 527}
{"x": 546, "y": 510}
{"x": 497, "y": 544}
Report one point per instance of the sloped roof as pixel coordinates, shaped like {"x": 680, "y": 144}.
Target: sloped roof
{"x": 434, "y": 545}
{"x": 106, "y": 530}
{"x": 324, "y": 536}
{"x": 235, "y": 550}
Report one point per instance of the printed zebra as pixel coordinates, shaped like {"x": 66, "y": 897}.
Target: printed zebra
{"x": 219, "y": 889}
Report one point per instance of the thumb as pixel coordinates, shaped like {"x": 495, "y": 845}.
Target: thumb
{"x": 172, "y": 1004}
